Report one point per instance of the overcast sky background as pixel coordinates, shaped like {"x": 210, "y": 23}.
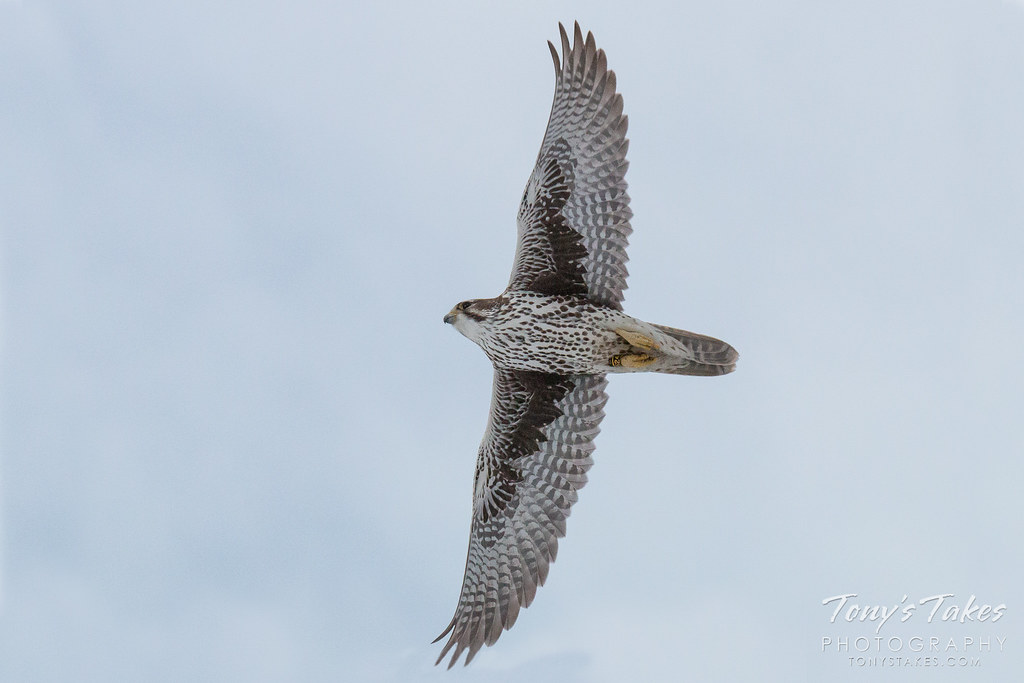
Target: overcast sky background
{"x": 238, "y": 441}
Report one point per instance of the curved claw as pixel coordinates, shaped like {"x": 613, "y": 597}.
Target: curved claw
{"x": 631, "y": 360}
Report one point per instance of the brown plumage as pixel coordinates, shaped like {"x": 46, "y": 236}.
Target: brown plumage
{"x": 552, "y": 336}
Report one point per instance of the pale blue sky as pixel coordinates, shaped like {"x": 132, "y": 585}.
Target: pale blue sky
{"x": 238, "y": 441}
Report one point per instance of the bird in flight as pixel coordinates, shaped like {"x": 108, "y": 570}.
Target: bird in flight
{"x": 552, "y": 336}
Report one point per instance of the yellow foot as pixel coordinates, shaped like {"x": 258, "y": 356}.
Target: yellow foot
{"x": 641, "y": 341}
{"x": 631, "y": 360}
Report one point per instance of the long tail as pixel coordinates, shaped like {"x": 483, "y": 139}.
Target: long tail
{"x": 702, "y": 355}
{"x": 672, "y": 351}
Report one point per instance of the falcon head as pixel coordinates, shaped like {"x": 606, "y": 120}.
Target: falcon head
{"x": 471, "y": 317}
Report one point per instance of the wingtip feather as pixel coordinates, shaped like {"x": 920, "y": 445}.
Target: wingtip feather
{"x": 565, "y": 44}
{"x": 554, "y": 58}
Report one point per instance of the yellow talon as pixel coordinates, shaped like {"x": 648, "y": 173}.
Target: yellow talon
{"x": 631, "y": 360}
{"x": 638, "y": 340}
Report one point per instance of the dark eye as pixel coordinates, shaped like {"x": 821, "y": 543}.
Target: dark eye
{"x": 463, "y": 306}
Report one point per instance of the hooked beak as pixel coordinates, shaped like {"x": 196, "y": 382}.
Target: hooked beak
{"x": 450, "y": 318}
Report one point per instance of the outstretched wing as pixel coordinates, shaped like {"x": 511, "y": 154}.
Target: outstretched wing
{"x": 534, "y": 457}
{"x": 574, "y": 216}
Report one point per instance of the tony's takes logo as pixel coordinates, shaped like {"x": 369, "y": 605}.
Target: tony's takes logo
{"x": 879, "y": 614}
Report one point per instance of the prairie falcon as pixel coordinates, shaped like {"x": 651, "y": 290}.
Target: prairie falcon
{"x": 552, "y": 336}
